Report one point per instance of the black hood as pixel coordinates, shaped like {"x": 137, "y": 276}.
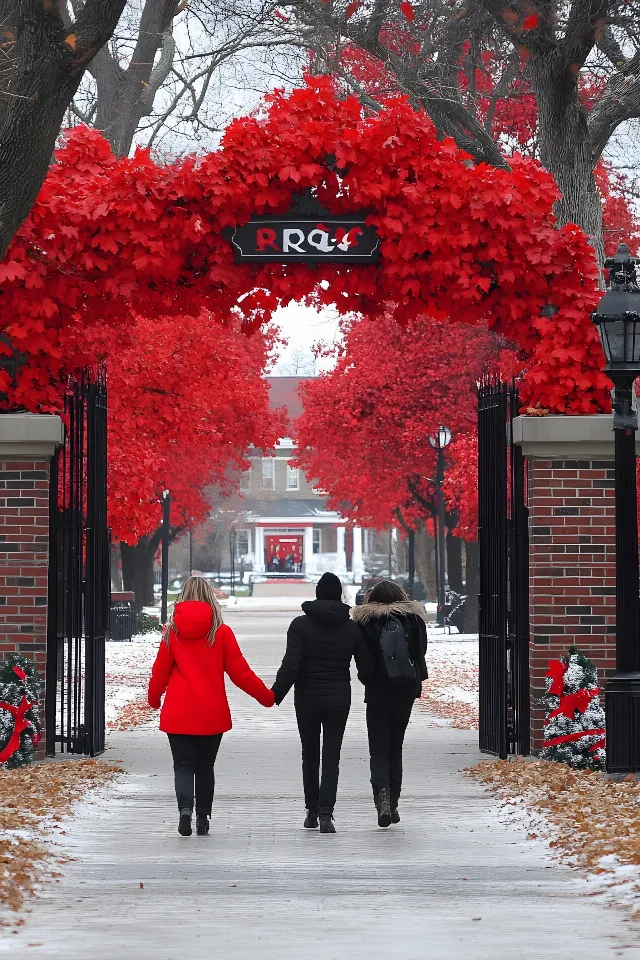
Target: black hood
{"x": 328, "y": 613}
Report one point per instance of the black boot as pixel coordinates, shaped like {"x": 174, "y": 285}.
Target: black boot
{"x": 326, "y": 823}
{"x": 184, "y": 826}
{"x": 395, "y": 816}
{"x": 311, "y": 820}
{"x": 383, "y": 806}
{"x": 202, "y": 824}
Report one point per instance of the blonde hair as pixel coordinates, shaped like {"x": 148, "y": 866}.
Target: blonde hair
{"x": 197, "y": 588}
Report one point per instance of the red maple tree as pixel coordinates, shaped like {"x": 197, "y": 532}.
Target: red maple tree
{"x": 187, "y": 398}
{"x": 110, "y": 237}
{"x": 364, "y": 434}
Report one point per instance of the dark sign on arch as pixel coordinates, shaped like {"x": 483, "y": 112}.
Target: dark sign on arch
{"x": 291, "y": 237}
{"x": 307, "y": 233}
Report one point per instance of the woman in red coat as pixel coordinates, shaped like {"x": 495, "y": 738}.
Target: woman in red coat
{"x": 195, "y": 653}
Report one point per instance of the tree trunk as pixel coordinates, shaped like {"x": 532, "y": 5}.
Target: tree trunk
{"x": 566, "y": 149}
{"x": 116, "y": 572}
{"x": 126, "y": 96}
{"x": 425, "y": 561}
{"x": 46, "y": 65}
{"x": 454, "y": 562}
{"x": 471, "y": 587}
{"x": 137, "y": 568}
{"x": 411, "y": 559}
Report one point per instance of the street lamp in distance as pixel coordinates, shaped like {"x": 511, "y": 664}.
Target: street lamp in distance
{"x": 617, "y": 318}
{"x": 166, "y": 517}
{"x": 440, "y": 441}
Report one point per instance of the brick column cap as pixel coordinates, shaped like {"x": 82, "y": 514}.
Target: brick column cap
{"x": 558, "y": 437}
{"x": 29, "y": 435}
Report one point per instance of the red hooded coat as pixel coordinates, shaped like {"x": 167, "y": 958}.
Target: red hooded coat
{"x": 192, "y": 673}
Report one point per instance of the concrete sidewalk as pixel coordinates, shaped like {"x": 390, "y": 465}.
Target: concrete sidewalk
{"x": 451, "y": 882}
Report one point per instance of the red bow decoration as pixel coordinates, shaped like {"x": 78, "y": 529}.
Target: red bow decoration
{"x": 570, "y": 737}
{"x": 18, "y": 713}
{"x": 20, "y": 672}
{"x": 557, "y": 670}
{"x": 574, "y": 701}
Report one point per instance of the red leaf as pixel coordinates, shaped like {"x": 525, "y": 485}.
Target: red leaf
{"x": 531, "y": 22}
{"x": 407, "y": 11}
{"x": 352, "y": 8}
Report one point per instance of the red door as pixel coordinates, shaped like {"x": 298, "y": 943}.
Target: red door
{"x": 283, "y": 553}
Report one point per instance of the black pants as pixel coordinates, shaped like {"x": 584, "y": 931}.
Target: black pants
{"x": 320, "y": 794}
{"x": 387, "y": 721}
{"x": 193, "y": 759}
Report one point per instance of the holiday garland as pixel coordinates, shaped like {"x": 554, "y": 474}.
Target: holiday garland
{"x": 20, "y": 725}
{"x": 574, "y": 731}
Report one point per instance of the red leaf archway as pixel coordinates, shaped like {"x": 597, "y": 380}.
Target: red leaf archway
{"x": 108, "y": 236}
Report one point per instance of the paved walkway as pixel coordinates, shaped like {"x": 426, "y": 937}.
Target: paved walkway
{"x": 451, "y": 882}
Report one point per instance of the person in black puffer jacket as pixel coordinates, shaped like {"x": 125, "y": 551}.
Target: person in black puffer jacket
{"x": 389, "y": 702}
{"x": 320, "y": 646}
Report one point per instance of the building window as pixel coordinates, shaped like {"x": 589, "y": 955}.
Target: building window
{"x": 245, "y": 481}
{"x": 293, "y": 478}
{"x": 268, "y": 474}
{"x": 242, "y": 543}
{"x": 316, "y": 540}
{"x": 329, "y": 540}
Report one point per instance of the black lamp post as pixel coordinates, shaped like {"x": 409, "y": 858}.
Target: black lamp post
{"x": 618, "y": 320}
{"x": 166, "y": 516}
{"x": 440, "y": 441}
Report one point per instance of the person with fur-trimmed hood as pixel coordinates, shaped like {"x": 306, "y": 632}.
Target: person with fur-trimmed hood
{"x": 396, "y": 632}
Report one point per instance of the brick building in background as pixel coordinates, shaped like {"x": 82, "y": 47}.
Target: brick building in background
{"x": 287, "y": 528}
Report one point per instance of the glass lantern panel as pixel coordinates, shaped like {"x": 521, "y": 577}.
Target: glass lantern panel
{"x": 444, "y": 436}
{"x": 613, "y": 340}
{"x": 632, "y": 342}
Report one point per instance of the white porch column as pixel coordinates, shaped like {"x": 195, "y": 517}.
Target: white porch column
{"x": 258, "y": 562}
{"x": 341, "y": 557}
{"x": 307, "y": 550}
{"x": 356, "y": 558}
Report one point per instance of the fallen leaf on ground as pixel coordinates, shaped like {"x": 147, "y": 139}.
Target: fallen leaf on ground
{"x": 592, "y": 821}
{"x": 30, "y": 798}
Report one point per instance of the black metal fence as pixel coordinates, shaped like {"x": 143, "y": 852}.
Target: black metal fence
{"x": 79, "y": 576}
{"x": 503, "y": 546}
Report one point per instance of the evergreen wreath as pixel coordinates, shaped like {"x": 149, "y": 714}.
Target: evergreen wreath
{"x": 20, "y": 724}
{"x": 574, "y": 731}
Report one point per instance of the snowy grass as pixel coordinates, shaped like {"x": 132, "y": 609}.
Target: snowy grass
{"x": 128, "y": 668}
{"x": 450, "y": 695}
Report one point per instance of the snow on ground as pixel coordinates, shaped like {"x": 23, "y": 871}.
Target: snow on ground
{"x": 588, "y": 820}
{"x": 450, "y": 695}
{"x": 128, "y": 667}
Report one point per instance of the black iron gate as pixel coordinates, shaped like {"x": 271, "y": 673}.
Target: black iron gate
{"x": 79, "y": 576}
{"x": 503, "y": 542}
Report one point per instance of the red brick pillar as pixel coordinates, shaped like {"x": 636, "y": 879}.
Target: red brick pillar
{"x": 570, "y": 491}
{"x": 27, "y": 443}
{"x": 572, "y": 568}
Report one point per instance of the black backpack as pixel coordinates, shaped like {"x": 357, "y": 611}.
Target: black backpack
{"x": 396, "y": 652}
